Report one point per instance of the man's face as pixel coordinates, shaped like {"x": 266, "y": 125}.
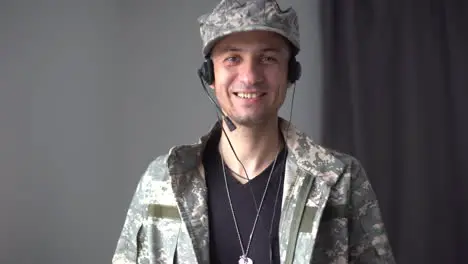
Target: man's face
{"x": 250, "y": 71}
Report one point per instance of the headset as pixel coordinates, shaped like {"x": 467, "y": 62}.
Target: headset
{"x": 206, "y": 71}
{"x": 206, "y": 75}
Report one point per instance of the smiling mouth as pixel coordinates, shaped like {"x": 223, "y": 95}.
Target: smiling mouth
{"x": 249, "y": 95}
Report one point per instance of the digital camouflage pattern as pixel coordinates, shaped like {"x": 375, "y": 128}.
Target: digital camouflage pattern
{"x": 231, "y": 16}
{"x": 330, "y": 213}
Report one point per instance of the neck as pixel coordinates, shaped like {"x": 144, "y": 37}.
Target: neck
{"x": 255, "y": 147}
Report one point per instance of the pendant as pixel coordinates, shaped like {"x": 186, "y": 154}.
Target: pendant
{"x": 245, "y": 260}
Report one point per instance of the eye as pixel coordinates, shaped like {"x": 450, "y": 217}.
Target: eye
{"x": 232, "y": 59}
{"x": 269, "y": 59}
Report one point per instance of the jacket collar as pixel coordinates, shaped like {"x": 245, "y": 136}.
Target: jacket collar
{"x": 308, "y": 155}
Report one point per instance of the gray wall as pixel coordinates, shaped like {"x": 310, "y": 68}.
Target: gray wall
{"x": 90, "y": 92}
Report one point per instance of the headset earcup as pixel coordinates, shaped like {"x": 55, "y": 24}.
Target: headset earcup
{"x": 210, "y": 71}
{"x": 298, "y": 70}
{"x": 294, "y": 70}
{"x": 206, "y": 71}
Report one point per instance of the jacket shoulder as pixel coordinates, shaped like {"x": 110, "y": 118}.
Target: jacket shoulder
{"x": 155, "y": 184}
{"x": 347, "y": 159}
{"x": 157, "y": 169}
{"x": 352, "y": 166}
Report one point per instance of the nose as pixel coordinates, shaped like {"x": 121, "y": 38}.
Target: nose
{"x": 251, "y": 72}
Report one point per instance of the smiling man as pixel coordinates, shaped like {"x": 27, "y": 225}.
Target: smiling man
{"x": 254, "y": 189}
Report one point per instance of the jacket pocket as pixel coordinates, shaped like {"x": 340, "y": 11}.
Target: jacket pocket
{"x": 159, "y": 236}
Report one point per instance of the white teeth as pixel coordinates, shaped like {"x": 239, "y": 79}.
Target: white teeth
{"x": 248, "y": 95}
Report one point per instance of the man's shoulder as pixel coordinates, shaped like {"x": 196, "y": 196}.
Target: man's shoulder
{"x": 154, "y": 186}
{"x": 350, "y": 161}
{"x": 176, "y": 161}
{"x": 353, "y": 178}
{"x": 309, "y": 151}
{"x": 351, "y": 166}
{"x": 157, "y": 169}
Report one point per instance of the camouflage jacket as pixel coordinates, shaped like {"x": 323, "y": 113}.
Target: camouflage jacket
{"x": 330, "y": 213}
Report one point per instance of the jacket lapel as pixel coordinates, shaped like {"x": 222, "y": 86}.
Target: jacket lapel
{"x": 310, "y": 173}
{"x": 292, "y": 207}
{"x": 190, "y": 191}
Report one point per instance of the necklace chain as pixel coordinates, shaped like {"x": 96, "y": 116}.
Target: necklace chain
{"x": 238, "y": 175}
{"x": 246, "y": 251}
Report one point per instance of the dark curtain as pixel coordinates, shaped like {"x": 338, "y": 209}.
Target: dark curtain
{"x": 396, "y": 97}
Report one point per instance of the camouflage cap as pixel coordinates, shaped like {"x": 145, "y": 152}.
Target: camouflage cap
{"x": 231, "y": 16}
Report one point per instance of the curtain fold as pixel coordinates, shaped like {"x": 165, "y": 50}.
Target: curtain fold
{"x": 396, "y": 97}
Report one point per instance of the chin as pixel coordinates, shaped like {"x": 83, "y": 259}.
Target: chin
{"x": 251, "y": 121}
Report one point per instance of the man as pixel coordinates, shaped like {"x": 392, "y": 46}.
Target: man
{"x": 254, "y": 189}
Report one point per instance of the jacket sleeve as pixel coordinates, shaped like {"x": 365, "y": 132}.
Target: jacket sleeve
{"x": 126, "y": 251}
{"x": 368, "y": 239}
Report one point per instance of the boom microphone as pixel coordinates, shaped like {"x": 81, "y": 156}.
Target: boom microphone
{"x": 228, "y": 121}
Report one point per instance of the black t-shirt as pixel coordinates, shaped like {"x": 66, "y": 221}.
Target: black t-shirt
{"x": 225, "y": 247}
